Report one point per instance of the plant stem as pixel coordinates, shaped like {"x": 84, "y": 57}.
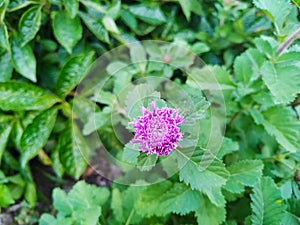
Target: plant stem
{"x": 129, "y": 217}
{"x": 288, "y": 41}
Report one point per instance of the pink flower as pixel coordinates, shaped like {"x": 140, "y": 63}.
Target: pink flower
{"x": 157, "y": 132}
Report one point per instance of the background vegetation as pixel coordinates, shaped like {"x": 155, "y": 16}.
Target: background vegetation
{"x": 48, "y": 46}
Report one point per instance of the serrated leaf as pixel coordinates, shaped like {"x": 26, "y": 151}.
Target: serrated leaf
{"x": 282, "y": 80}
{"x": 267, "y": 206}
{"x": 6, "y": 67}
{"x": 61, "y": 202}
{"x": 290, "y": 218}
{"x": 152, "y": 15}
{"x": 281, "y": 123}
{"x": 82, "y": 204}
{"x": 146, "y": 162}
{"x": 129, "y": 199}
{"x": 71, "y": 7}
{"x": 95, "y": 26}
{"x": 243, "y": 173}
{"x": 130, "y": 153}
{"x": 72, "y": 150}
{"x": 247, "y": 66}
{"x": 209, "y": 214}
{"x": 30, "y": 23}
{"x": 84, "y": 196}
{"x": 36, "y": 134}
{"x": 210, "y": 78}
{"x": 23, "y": 58}
{"x": 67, "y": 31}
{"x": 278, "y": 12}
{"x": 72, "y": 73}
{"x": 140, "y": 96}
{"x": 172, "y": 198}
{"x": 5, "y": 130}
{"x": 18, "y": 96}
{"x": 203, "y": 172}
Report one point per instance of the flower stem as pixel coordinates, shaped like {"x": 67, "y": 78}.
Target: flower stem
{"x": 288, "y": 41}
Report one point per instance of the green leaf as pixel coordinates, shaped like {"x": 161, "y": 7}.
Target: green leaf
{"x": 95, "y": 5}
{"x": 67, "y": 31}
{"x": 61, "y": 202}
{"x": 82, "y": 204}
{"x": 243, "y": 173}
{"x": 6, "y": 198}
{"x": 138, "y": 56}
{"x": 130, "y": 153}
{"x": 73, "y": 71}
{"x": 290, "y": 218}
{"x": 30, "y": 23}
{"x": 95, "y": 26}
{"x": 5, "y": 130}
{"x": 165, "y": 197}
{"x": 96, "y": 121}
{"x": 116, "y": 205}
{"x": 140, "y": 96}
{"x": 36, "y": 134}
{"x": 283, "y": 80}
{"x": 146, "y": 162}
{"x": 18, "y": 96}
{"x": 19, "y": 4}
{"x": 281, "y": 123}
{"x": 247, "y": 66}
{"x": 72, "y": 150}
{"x": 129, "y": 19}
{"x": 228, "y": 146}
{"x": 6, "y": 67}
{"x": 210, "y": 78}
{"x": 84, "y": 196}
{"x": 3, "y": 5}
{"x": 48, "y": 219}
{"x": 23, "y": 58}
{"x": 189, "y": 6}
{"x": 4, "y": 43}
{"x": 202, "y": 172}
{"x": 209, "y": 214}
{"x": 110, "y": 24}
{"x": 56, "y": 164}
{"x": 152, "y": 15}
{"x": 30, "y": 194}
{"x": 71, "y": 7}
{"x": 278, "y": 12}
{"x": 267, "y": 206}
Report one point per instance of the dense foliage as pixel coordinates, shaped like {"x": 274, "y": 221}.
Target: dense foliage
{"x": 251, "y": 50}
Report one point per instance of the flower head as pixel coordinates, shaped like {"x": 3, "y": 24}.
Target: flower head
{"x": 157, "y": 132}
